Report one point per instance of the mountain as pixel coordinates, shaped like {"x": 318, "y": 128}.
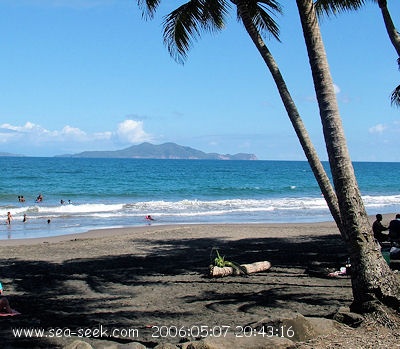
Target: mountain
{"x": 161, "y": 151}
{"x": 2, "y": 154}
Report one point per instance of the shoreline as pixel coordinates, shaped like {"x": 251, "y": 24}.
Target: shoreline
{"x": 109, "y": 232}
{"x": 148, "y": 229}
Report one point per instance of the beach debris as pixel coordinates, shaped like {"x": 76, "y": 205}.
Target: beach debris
{"x": 343, "y": 271}
{"x": 222, "y": 267}
{"x": 256, "y": 267}
{"x": 339, "y": 273}
{"x": 221, "y": 262}
{"x": 245, "y": 269}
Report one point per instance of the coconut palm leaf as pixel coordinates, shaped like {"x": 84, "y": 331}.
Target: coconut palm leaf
{"x": 185, "y": 24}
{"x": 261, "y": 13}
{"x": 334, "y": 7}
{"x": 395, "y": 97}
{"x": 330, "y": 7}
{"x": 148, "y": 7}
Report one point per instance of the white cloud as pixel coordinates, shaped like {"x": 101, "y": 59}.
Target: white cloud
{"x": 33, "y": 137}
{"x": 10, "y": 133}
{"x": 379, "y": 128}
{"x": 131, "y": 131}
{"x": 25, "y": 128}
{"x": 72, "y": 131}
{"x": 336, "y": 88}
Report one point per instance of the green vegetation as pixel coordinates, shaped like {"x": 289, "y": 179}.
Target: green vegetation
{"x": 221, "y": 262}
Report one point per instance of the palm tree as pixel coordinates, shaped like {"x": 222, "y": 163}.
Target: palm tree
{"x": 372, "y": 280}
{"x": 330, "y": 7}
{"x": 184, "y": 24}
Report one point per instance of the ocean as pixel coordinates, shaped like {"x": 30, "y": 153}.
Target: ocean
{"x": 107, "y": 193}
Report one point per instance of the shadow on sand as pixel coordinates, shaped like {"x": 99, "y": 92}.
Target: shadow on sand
{"x": 48, "y": 293}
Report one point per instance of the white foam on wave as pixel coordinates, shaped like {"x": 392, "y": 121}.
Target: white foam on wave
{"x": 290, "y": 206}
{"x": 222, "y": 207}
{"x": 380, "y": 201}
{"x": 83, "y": 208}
{"x": 13, "y": 210}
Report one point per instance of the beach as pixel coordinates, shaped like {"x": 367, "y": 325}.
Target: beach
{"x": 144, "y": 278}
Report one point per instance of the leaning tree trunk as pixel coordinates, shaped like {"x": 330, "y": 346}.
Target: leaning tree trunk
{"x": 301, "y": 132}
{"x": 390, "y": 28}
{"x": 372, "y": 280}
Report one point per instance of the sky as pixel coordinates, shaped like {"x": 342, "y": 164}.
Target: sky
{"x": 79, "y": 75}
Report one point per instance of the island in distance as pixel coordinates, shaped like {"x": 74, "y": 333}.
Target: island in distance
{"x": 3, "y": 154}
{"x": 162, "y": 151}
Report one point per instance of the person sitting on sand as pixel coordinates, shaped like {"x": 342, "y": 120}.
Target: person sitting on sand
{"x": 4, "y": 305}
{"x": 378, "y": 228}
{"x": 394, "y": 229}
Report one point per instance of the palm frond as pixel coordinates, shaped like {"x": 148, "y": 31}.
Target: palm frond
{"x": 181, "y": 27}
{"x": 148, "y": 7}
{"x": 185, "y": 24}
{"x": 214, "y": 14}
{"x": 395, "y": 97}
{"x": 334, "y": 7}
{"x": 261, "y": 13}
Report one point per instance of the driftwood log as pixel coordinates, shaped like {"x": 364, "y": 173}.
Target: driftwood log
{"x": 249, "y": 268}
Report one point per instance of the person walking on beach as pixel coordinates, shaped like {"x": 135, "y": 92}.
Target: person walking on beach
{"x": 9, "y": 218}
{"x": 378, "y": 228}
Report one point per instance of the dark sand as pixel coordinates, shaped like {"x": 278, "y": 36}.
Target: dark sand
{"x": 136, "y": 278}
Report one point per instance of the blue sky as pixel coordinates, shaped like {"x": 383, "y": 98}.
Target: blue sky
{"x": 93, "y": 75}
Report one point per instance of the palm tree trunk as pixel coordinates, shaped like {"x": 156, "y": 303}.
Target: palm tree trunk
{"x": 372, "y": 280}
{"x": 390, "y": 28}
{"x": 301, "y": 132}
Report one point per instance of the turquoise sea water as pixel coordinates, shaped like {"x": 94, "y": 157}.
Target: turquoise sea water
{"x": 107, "y": 193}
